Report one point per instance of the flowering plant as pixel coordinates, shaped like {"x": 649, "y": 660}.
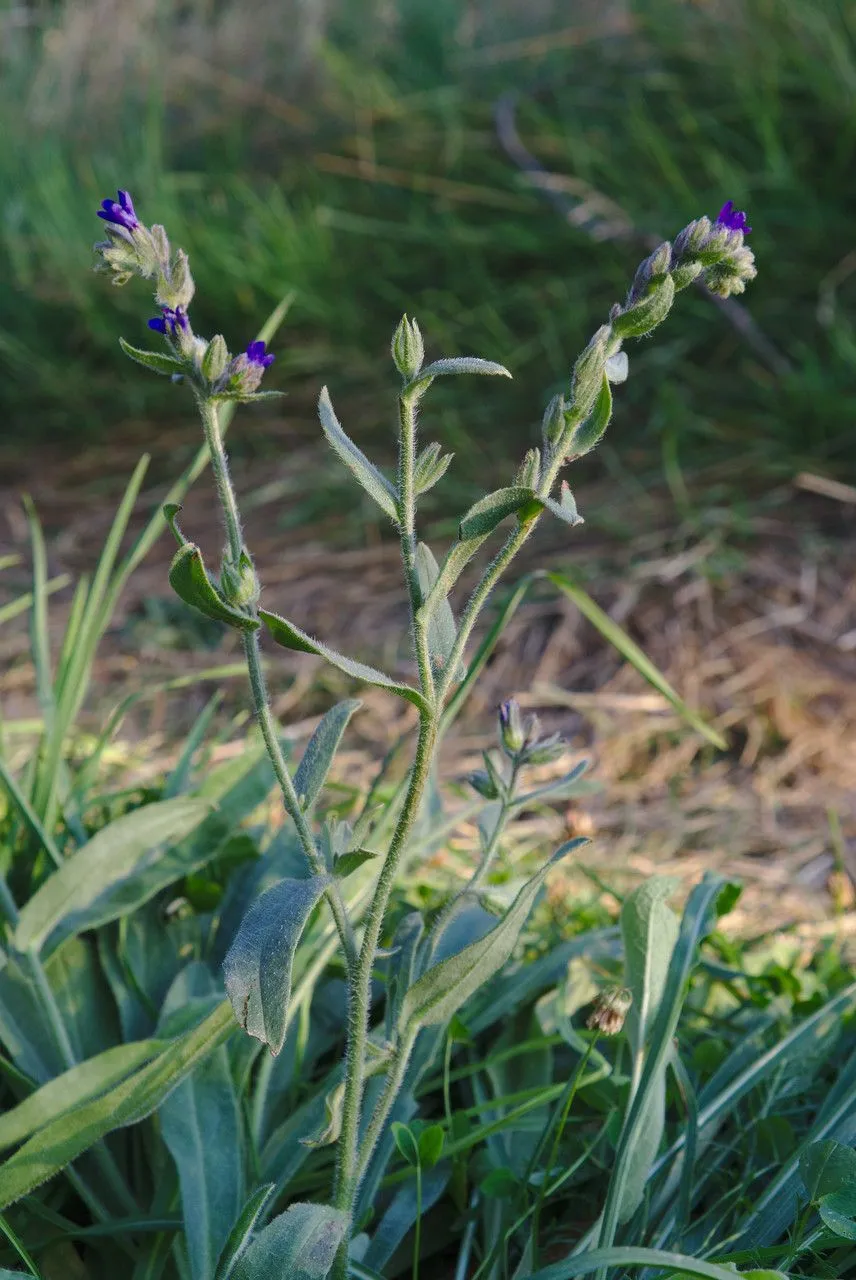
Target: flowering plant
{"x": 430, "y": 971}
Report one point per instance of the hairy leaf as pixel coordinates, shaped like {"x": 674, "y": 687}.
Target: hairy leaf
{"x": 442, "y": 632}
{"x": 241, "y": 1233}
{"x": 484, "y": 515}
{"x": 298, "y": 1245}
{"x": 320, "y": 750}
{"x": 291, "y": 637}
{"x": 456, "y": 365}
{"x": 154, "y": 360}
{"x": 76, "y": 896}
{"x": 372, "y": 480}
{"x": 189, "y": 579}
{"x": 258, "y": 964}
{"x": 441, "y": 991}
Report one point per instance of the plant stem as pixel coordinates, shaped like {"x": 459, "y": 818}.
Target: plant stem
{"x": 347, "y": 1172}
{"x": 407, "y": 518}
{"x": 394, "y": 1080}
{"x": 261, "y": 703}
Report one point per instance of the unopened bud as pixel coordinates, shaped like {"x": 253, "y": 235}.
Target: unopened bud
{"x": 692, "y": 239}
{"x": 511, "y": 731}
{"x": 215, "y": 359}
{"x": 588, "y": 373}
{"x": 529, "y": 472}
{"x": 640, "y": 318}
{"x": 408, "y": 349}
{"x": 686, "y": 274}
{"x": 553, "y": 422}
{"x": 239, "y": 583}
{"x": 650, "y": 272}
{"x": 610, "y": 1010}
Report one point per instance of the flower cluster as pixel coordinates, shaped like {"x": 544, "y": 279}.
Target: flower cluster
{"x": 131, "y": 248}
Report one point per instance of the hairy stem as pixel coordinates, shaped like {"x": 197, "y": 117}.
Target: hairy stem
{"x": 407, "y": 519}
{"x": 261, "y": 702}
{"x": 394, "y": 1080}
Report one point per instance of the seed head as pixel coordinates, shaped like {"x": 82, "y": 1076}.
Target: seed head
{"x": 610, "y": 1009}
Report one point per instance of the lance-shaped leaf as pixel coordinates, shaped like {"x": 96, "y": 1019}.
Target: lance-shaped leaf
{"x": 442, "y": 990}
{"x": 442, "y": 632}
{"x": 453, "y": 366}
{"x": 373, "y": 481}
{"x": 154, "y": 360}
{"x": 239, "y": 1237}
{"x": 320, "y": 750}
{"x": 589, "y": 432}
{"x": 258, "y": 964}
{"x": 189, "y": 579}
{"x": 298, "y": 1245}
{"x": 71, "y": 899}
{"x": 457, "y": 559}
{"x": 483, "y": 517}
{"x": 291, "y": 637}
{"x": 566, "y": 508}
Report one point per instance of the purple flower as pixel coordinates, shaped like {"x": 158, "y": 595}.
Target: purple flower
{"x": 256, "y": 355}
{"x": 171, "y": 320}
{"x": 120, "y": 212}
{"x": 733, "y": 219}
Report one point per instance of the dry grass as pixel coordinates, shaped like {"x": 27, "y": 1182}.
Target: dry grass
{"x": 757, "y": 630}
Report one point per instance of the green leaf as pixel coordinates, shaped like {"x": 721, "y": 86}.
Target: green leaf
{"x": 565, "y": 509}
{"x": 590, "y": 432}
{"x": 650, "y": 930}
{"x": 430, "y": 466}
{"x": 154, "y": 360}
{"x": 203, "y": 1104}
{"x": 351, "y": 861}
{"x": 828, "y": 1168}
{"x": 453, "y": 366}
{"x": 258, "y": 964}
{"x": 405, "y": 1141}
{"x": 320, "y": 750}
{"x": 80, "y": 1084}
{"x": 78, "y": 895}
{"x": 442, "y": 632}
{"x": 400, "y": 1216}
{"x": 300, "y": 1244}
{"x": 64, "y": 1139}
{"x": 431, "y": 1142}
{"x": 441, "y": 991}
{"x": 240, "y": 1235}
{"x": 483, "y": 517}
{"x": 372, "y": 480}
{"x": 457, "y": 559}
{"x": 629, "y": 650}
{"x": 837, "y": 1220}
{"x": 587, "y": 1264}
{"x": 291, "y": 637}
{"x": 189, "y": 580}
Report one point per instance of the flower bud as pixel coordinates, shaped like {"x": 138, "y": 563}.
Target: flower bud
{"x": 482, "y": 782}
{"x": 588, "y": 373}
{"x": 610, "y": 1010}
{"x": 546, "y": 750}
{"x": 650, "y": 272}
{"x": 215, "y": 359}
{"x": 511, "y": 732}
{"x": 686, "y": 274}
{"x": 643, "y": 316}
{"x": 408, "y": 349}
{"x": 176, "y": 287}
{"x": 693, "y": 238}
{"x": 239, "y": 583}
{"x": 529, "y": 472}
{"x": 553, "y": 422}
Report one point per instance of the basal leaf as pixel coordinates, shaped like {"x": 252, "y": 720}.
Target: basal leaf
{"x": 291, "y": 637}
{"x": 442, "y": 990}
{"x": 258, "y": 964}
{"x": 320, "y": 750}
{"x": 70, "y": 899}
{"x": 240, "y": 1235}
{"x": 189, "y": 579}
{"x": 483, "y": 517}
{"x": 80, "y": 1084}
{"x": 64, "y": 1139}
{"x": 372, "y": 480}
{"x": 298, "y": 1245}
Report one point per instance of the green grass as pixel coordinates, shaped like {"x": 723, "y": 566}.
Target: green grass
{"x": 752, "y": 101}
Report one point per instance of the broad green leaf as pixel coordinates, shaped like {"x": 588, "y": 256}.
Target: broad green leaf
{"x": 64, "y": 1139}
{"x": 405, "y": 1140}
{"x": 298, "y": 1245}
{"x": 453, "y": 366}
{"x": 441, "y": 991}
{"x": 88, "y": 1080}
{"x": 258, "y": 964}
{"x": 838, "y": 1220}
{"x": 484, "y": 515}
{"x": 372, "y": 480}
{"x": 320, "y": 750}
{"x": 431, "y": 1145}
{"x": 241, "y": 1233}
{"x": 78, "y": 895}
{"x": 154, "y": 360}
{"x": 828, "y": 1168}
{"x": 351, "y": 861}
{"x": 189, "y": 579}
{"x": 203, "y": 1105}
{"x": 442, "y": 632}
{"x": 291, "y": 637}
{"x": 650, "y": 930}
{"x": 630, "y": 651}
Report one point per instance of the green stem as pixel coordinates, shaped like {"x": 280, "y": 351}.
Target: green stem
{"x": 347, "y": 1172}
{"x": 261, "y": 703}
{"x": 394, "y": 1080}
{"x": 417, "y": 1239}
{"x": 407, "y": 521}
